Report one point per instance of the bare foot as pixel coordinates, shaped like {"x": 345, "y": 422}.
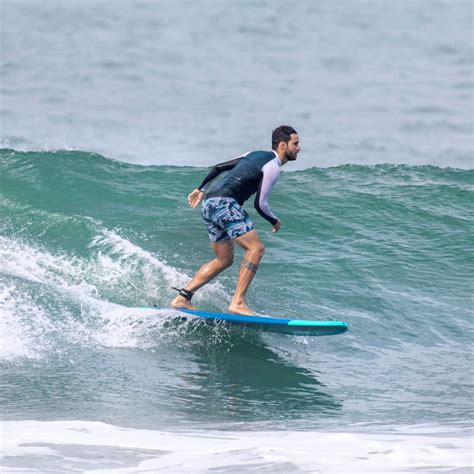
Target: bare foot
{"x": 242, "y": 309}
{"x": 182, "y": 303}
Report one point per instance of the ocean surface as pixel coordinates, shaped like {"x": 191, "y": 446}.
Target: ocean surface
{"x": 112, "y": 112}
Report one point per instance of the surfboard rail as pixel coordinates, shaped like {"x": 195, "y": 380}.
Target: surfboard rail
{"x": 296, "y": 327}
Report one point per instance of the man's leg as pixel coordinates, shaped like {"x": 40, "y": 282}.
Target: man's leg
{"x": 254, "y": 250}
{"x": 224, "y": 251}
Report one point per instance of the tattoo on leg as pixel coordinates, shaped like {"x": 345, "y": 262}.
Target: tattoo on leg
{"x": 249, "y": 265}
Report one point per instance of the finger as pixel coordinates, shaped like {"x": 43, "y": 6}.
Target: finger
{"x": 195, "y": 203}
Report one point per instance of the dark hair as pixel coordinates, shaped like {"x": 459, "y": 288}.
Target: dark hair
{"x": 281, "y": 134}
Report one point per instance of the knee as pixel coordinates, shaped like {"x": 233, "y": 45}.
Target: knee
{"x": 259, "y": 250}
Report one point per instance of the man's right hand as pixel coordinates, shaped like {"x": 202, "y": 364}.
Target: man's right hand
{"x": 195, "y": 198}
{"x": 276, "y": 227}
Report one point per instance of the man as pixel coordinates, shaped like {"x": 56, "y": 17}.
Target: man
{"x": 227, "y": 221}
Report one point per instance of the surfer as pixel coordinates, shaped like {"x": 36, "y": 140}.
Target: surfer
{"x": 227, "y": 222}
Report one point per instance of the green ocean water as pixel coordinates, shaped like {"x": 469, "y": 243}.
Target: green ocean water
{"x": 86, "y": 242}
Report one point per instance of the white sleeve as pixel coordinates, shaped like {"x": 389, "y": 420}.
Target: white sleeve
{"x": 271, "y": 173}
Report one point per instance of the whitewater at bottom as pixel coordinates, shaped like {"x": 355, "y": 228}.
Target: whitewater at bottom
{"x": 96, "y": 447}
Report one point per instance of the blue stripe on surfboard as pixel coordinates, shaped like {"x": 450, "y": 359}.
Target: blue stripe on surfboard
{"x": 303, "y": 322}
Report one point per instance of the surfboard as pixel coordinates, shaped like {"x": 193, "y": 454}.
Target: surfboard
{"x": 296, "y": 327}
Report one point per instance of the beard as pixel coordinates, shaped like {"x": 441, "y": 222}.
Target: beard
{"x": 291, "y": 156}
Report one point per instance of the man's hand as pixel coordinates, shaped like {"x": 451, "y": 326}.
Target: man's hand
{"x": 195, "y": 198}
{"x": 277, "y": 226}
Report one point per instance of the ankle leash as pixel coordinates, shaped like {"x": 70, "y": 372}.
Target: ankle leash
{"x": 184, "y": 293}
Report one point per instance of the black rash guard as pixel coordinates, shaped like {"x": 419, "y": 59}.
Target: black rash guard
{"x": 254, "y": 172}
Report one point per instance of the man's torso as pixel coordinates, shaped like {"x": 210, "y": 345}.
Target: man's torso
{"x": 243, "y": 180}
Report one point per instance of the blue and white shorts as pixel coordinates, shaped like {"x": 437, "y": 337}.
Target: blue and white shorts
{"x": 225, "y": 219}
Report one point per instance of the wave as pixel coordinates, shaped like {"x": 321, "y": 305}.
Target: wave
{"x": 376, "y": 245}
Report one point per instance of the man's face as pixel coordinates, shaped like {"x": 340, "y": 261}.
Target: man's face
{"x": 292, "y": 147}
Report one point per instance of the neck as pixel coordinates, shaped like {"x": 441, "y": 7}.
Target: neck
{"x": 281, "y": 156}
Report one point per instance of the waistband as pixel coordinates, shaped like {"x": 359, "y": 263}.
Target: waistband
{"x": 218, "y": 195}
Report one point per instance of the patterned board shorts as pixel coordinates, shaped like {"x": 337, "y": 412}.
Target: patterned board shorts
{"x": 225, "y": 219}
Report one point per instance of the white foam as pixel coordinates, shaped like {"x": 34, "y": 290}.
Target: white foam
{"x": 16, "y": 338}
{"x": 76, "y": 444}
{"x": 30, "y": 331}
{"x": 38, "y": 265}
{"x": 27, "y": 329}
{"x": 130, "y": 327}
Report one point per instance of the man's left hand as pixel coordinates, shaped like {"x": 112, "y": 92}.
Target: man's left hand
{"x": 195, "y": 198}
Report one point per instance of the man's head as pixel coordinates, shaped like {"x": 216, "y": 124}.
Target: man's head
{"x": 285, "y": 142}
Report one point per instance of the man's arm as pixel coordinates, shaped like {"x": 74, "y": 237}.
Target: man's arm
{"x": 217, "y": 170}
{"x": 271, "y": 173}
